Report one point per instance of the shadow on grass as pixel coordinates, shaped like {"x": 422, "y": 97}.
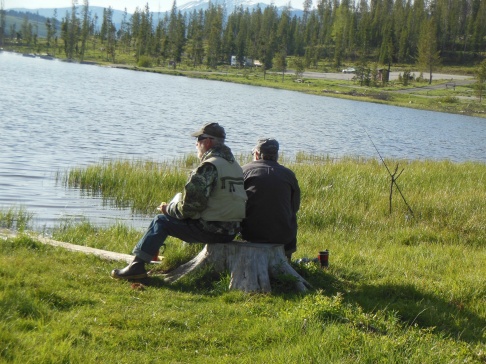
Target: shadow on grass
{"x": 421, "y": 309}
{"x": 208, "y": 282}
{"x": 413, "y": 307}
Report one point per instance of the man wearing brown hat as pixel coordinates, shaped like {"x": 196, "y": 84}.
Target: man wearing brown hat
{"x": 210, "y": 209}
{"x": 273, "y": 199}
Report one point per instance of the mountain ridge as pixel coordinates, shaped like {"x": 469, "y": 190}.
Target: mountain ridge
{"x": 190, "y": 6}
{"x": 118, "y": 15}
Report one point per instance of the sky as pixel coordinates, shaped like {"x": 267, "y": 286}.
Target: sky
{"x": 130, "y": 5}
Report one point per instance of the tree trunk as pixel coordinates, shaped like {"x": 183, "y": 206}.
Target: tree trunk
{"x": 251, "y": 265}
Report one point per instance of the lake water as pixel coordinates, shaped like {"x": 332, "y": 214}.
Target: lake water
{"x": 56, "y": 115}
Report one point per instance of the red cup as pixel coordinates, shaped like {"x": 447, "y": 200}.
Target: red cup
{"x": 324, "y": 258}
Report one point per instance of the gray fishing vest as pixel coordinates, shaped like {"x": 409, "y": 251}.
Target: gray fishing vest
{"x": 228, "y": 198}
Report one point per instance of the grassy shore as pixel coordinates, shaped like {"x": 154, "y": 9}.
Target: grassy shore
{"x": 402, "y": 287}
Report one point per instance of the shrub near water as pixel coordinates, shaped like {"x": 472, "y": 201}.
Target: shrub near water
{"x": 400, "y": 288}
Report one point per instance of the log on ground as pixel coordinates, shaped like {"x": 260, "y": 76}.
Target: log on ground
{"x": 103, "y": 254}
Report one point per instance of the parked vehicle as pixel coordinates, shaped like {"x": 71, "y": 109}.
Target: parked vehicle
{"x": 349, "y": 70}
{"x": 247, "y": 62}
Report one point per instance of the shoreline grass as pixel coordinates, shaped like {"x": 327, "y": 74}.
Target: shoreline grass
{"x": 399, "y": 289}
{"x": 15, "y": 218}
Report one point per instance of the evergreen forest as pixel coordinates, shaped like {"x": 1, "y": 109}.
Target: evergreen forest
{"x": 388, "y": 32}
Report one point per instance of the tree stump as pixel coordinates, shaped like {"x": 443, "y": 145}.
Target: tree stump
{"x": 250, "y": 264}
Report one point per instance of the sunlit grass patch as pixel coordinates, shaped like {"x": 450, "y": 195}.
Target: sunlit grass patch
{"x": 62, "y": 306}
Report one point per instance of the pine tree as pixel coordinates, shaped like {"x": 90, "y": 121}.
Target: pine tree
{"x": 479, "y": 30}
{"x": 481, "y": 79}
{"x": 176, "y": 35}
{"x": 214, "y": 28}
{"x": 195, "y": 38}
{"x": 84, "y": 28}
{"x": 27, "y": 31}
{"x": 125, "y": 32}
{"x": 230, "y": 33}
{"x": 111, "y": 36}
{"x": 282, "y": 41}
{"x": 428, "y": 54}
{"x": 51, "y": 31}
{"x": 267, "y": 37}
{"x": 254, "y": 32}
{"x": 3, "y": 22}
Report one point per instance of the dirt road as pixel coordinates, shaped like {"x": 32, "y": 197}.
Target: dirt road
{"x": 393, "y": 76}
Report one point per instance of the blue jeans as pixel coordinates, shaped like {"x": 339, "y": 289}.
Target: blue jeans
{"x": 163, "y": 226}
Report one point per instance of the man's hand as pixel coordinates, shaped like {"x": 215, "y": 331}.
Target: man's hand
{"x": 163, "y": 208}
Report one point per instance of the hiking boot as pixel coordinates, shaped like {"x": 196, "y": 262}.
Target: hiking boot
{"x": 135, "y": 270}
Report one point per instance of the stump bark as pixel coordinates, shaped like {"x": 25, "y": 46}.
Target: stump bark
{"x": 251, "y": 265}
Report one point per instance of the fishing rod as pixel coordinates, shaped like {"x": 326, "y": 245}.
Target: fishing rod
{"x": 394, "y": 179}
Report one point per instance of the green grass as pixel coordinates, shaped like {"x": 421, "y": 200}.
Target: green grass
{"x": 399, "y": 289}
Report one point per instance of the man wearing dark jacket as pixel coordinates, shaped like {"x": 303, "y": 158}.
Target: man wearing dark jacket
{"x": 210, "y": 210}
{"x": 273, "y": 199}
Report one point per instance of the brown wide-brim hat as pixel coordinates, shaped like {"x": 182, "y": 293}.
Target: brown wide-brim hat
{"x": 210, "y": 130}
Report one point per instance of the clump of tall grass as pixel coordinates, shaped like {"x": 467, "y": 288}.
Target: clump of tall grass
{"x": 449, "y": 100}
{"x": 441, "y": 201}
{"x": 16, "y": 218}
{"x": 446, "y": 199}
{"x": 138, "y": 184}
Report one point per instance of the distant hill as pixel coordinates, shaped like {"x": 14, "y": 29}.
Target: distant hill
{"x": 39, "y": 16}
{"x": 187, "y": 6}
{"x": 16, "y": 19}
{"x": 230, "y": 5}
{"x": 61, "y": 13}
